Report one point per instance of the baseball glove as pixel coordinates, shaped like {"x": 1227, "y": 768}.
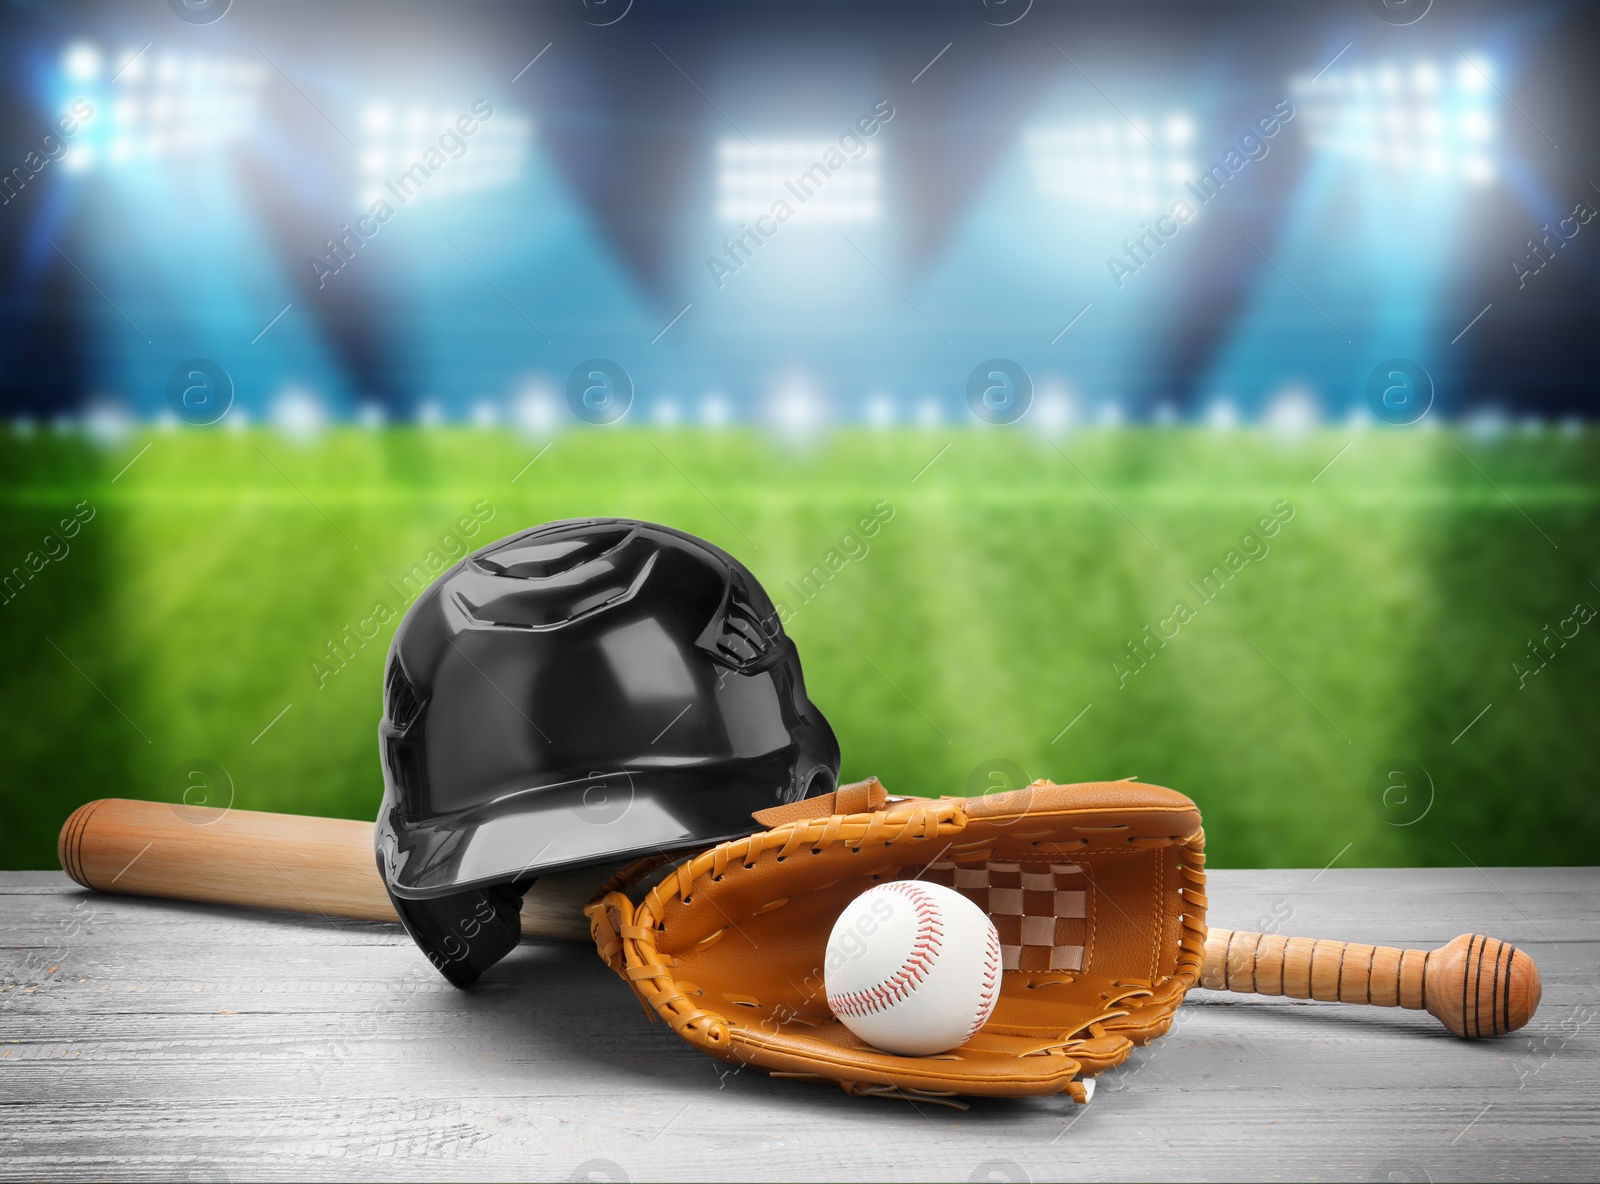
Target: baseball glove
{"x": 1096, "y": 890}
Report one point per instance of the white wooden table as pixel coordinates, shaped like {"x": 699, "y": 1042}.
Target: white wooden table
{"x": 149, "y": 1040}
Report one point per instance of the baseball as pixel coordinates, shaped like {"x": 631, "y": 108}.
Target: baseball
{"x": 912, "y": 968}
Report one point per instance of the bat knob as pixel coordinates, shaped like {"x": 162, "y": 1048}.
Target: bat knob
{"x": 1480, "y": 986}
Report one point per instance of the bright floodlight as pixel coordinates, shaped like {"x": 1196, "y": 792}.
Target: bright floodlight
{"x": 714, "y": 411}
{"x": 1222, "y": 415}
{"x": 929, "y": 413}
{"x": 880, "y": 411}
{"x": 1488, "y": 424}
{"x": 81, "y": 62}
{"x": 1054, "y": 412}
{"x": 535, "y": 410}
{"x": 1291, "y": 413}
{"x": 815, "y": 178}
{"x": 299, "y": 414}
{"x": 430, "y": 414}
{"x": 180, "y": 104}
{"x": 796, "y": 411}
{"x": 1419, "y": 124}
{"x": 666, "y": 412}
{"x": 1473, "y": 76}
{"x": 132, "y": 69}
{"x": 1098, "y": 165}
{"x": 485, "y": 414}
{"x": 371, "y": 416}
{"x": 107, "y": 422}
{"x": 393, "y": 164}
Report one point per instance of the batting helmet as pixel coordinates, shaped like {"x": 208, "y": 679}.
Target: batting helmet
{"x": 580, "y": 692}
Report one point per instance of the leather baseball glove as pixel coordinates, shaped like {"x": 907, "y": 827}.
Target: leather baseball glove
{"x": 1097, "y": 892}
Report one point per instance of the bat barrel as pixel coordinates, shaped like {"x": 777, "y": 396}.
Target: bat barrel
{"x": 322, "y": 866}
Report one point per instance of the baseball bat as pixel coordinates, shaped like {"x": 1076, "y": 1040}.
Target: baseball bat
{"x": 300, "y": 864}
{"x": 1476, "y": 986}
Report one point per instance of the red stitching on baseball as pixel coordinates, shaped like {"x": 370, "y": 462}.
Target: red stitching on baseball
{"x": 991, "y": 981}
{"x": 905, "y": 980}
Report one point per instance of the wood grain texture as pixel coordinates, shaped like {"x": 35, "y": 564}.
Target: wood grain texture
{"x": 144, "y": 1039}
{"x": 1479, "y": 987}
{"x": 322, "y": 866}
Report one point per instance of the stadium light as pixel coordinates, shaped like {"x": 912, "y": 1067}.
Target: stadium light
{"x": 299, "y": 414}
{"x": 797, "y": 412}
{"x": 1418, "y": 121}
{"x": 536, "y": 411}
{"x": 1055, "y": 412}
{"x": 816, "y": 178}
{"x": 1222, "y": 415}
{"x": 485, "y": 414}
{"x": 1488, "y": 425}
{"x": 429, "y": 413}
{"x": 666, "y": 412}
{"x": 1291, "y": 413}
{"x": 107, "y": 422}
{"x": 395, "y": 141}
{"x": 714, "y": 411}
{"x": 174, "y": 106}
{"x": 81, "y": 62}
{"x": 371, "y": 416}
{"x": 929, "y": 413}
{"x": 1111, "y": 166}
{"x": 880, "y": 411}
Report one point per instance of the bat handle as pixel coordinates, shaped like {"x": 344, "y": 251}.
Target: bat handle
{"x": 1475, "y": 985}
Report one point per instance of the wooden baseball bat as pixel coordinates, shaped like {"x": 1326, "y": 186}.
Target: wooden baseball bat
{"x": 324, "y": 866}
{"x": 1476, "y": 986}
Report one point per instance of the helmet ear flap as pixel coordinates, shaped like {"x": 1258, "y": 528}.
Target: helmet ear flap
{"x": 465, "y": 933}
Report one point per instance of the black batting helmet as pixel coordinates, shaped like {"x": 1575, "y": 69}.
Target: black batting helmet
{"x": 580, "y": 692}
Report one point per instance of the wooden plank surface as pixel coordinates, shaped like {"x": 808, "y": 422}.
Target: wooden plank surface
{"x": 151, "y": 1040}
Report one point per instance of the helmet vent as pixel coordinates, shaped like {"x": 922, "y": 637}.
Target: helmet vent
{"x": 539, "y": 557}
{"x": 740, "y": 636}
{"x": 401, "y": 698}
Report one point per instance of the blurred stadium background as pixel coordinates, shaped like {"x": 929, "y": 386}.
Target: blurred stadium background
{"x": 237, "y": 406}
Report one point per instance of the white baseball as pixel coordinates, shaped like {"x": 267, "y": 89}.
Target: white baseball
{"x": 912, "y": 968}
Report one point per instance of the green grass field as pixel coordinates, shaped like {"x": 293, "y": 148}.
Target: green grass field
{"x": 985, "y": 618}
